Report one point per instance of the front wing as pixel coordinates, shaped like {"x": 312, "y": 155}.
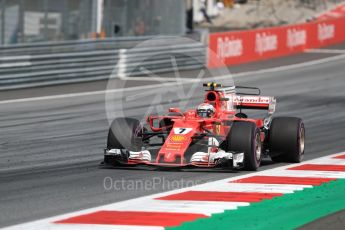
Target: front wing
{"x": 123, "y": 157}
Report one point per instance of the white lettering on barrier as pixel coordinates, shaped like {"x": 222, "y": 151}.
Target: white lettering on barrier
{"x": 296, "y": 37}
{"x": 325, "y": 31}
{"x": 265, "y": 42}
{"x": 229, "y": 47}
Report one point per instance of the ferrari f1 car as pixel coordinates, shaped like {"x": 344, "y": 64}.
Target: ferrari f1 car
{"x": 215, "y": 134}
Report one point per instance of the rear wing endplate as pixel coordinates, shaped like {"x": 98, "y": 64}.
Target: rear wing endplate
{"x": 255, "y": 102}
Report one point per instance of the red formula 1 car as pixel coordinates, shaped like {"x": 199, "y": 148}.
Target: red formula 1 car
{"x": 216, "y": 134}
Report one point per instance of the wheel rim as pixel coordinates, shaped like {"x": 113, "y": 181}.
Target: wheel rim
{"x": 301, "y": 141}
{"x": 258, "y": 148}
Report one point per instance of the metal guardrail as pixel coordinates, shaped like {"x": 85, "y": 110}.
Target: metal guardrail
{"x": 41, "y": 64}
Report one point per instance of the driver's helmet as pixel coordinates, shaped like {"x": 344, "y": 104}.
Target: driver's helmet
{"x": 205, "y": 110}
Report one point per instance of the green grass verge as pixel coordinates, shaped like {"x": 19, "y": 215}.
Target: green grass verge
{"x": 286, "y": 212}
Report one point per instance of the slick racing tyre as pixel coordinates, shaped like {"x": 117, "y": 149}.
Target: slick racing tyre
{"x": 287, "y": 139}
{"x": 123, "y": 134}
{"x": 245, "y": 137}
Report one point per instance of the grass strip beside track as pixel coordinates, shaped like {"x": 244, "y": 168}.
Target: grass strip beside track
{"x": 286, "y": 212}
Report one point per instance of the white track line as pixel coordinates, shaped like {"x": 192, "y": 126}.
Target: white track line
{"x": 92, "y": 93}
{"x": 198, "y": 207}
{"x": 83, "y": 94}
{"x": 49, "y": 226}
{"x": 253, "y": 187}
{"x": 326, "y": 51}
{"x": 305, "y": 173}
{"x": 331, "y": 161}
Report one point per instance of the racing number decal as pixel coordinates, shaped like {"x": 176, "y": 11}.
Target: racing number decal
{"x": 182, "y": 131}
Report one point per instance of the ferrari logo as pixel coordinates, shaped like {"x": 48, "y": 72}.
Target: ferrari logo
{"x": 178, "y": 138}
{"x": 218, "y": 129}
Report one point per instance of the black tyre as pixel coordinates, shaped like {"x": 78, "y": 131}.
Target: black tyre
{"x": 287, "y": 139}
{"x": 123, "y": 134}
{"x": 245, "y": 137}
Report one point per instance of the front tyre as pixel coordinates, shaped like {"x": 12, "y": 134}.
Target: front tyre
{"x": 287, "y": 139}
{"x": 245, "y": 137}
{"x": 124, "y": 133}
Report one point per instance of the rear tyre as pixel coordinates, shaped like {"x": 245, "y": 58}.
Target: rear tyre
{"x": 287, "y": 139}
{"x": 245, "y": 137}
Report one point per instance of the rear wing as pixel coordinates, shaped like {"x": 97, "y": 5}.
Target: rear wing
{"x": 244, "y": 97}
{"x": 255, "y": 102}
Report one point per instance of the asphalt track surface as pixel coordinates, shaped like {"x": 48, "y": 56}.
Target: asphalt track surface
{"x": 50, "y": 149}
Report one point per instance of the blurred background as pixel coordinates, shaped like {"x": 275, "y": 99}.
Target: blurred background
{"x": 25, "y": 21}
{"x": 49, "y": 42}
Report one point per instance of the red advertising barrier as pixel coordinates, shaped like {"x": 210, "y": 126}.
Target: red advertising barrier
{"x": 231, "y": 48}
